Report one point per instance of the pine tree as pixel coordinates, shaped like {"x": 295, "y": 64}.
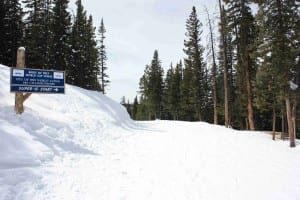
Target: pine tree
{"x": 225, "y": 62}
{"x": 214, "y": 67}
{"x": 83, "y": 70}
{"x": 172, "y": 95}
{"x": 142, "y": 111}
{"x": 151, "y": 89}
{"x": 195, "y": 65}
{"x": 176, "y": 84}
{"x": 280, "y": 25}
{"x": 168, "y": 94}
{"x": 135, "y": 108}
{"x": 76, "y": 71}
{"x": 266, "y": 91}
{"x": 91, "y": 56}
{"x": 155, "y": 86}
{"x": 11, "y": 28}
{"x": 102, "y": 58}
{"x": 144, "y": 98}
{"x": 38, "y": 33}
{"x": 242, "y": 23}
{"x": 186, "y": 103}
{"x": 2, "y": 24}
{"x": 61, "y": 28}
{"x": 47, "y": 36}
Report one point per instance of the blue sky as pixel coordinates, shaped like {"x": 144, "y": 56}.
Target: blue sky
{"x": 135, "y": 28}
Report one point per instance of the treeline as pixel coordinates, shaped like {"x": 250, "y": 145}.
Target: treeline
{"x": 251, "y": 81}
{"x": 54, "y": 39}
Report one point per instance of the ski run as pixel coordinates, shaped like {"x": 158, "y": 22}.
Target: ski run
{"x": 83, "y": 145}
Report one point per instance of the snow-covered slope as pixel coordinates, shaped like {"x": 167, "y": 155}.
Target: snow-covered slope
{"x": 82, "y": 145}
{"x": 52, "y": 124}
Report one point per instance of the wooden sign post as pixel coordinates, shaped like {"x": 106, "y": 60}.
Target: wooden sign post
{"x": 20, "y": 97}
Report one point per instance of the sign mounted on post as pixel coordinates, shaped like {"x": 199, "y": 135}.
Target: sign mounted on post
{"x": 37, "y": 81}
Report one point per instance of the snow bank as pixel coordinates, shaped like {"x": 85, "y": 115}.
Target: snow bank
{"x": 18, "y": 148}
{"x": 53, "y": 124}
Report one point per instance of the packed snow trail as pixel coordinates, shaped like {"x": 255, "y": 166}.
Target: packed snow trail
{"x": 172, "y": 160}
{"x": 83, "y": 145}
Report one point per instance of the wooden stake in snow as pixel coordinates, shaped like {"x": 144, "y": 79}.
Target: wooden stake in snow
{"x": 20, "y": 97}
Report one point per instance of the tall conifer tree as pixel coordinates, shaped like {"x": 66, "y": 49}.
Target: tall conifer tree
{"x": 76, "y": 71}
{"x": 186, "y": 102}
{"x": 195, "y": 65}
{"x": 214, "y": 66}
{"x": 38, "y": 33}
{"x": 102, "y": 58}
{"x": 225, "y": 62}
{"x": 91, "y": 55}
{"x": 143, "y": 107}
{"x": 156, "y": 86}
{"x": 61, "y": 29}
{"x": 135, "y": 108}
{"x": 176, "y": 94}
{"x": 168, "y": 93}
{"x": 172, "y": 95}
{"x": 280, "y": 47}
{"x": 83, "y": 70}
{"x": 151, "y": 88}
{"x": 11, "y": 29}
{"x": 242, "y": 23}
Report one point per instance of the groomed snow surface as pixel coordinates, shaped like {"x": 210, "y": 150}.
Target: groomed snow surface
{"x": 84, "y": 146}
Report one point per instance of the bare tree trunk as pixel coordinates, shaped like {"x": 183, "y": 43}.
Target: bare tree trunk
{"x": 226, "y": 112}
{"x": 247, "y": 123}
{"x": 282, "y": 124}
{"x": 246, "y": 64}
{"x": 249, "y": 96}
{"x": 274, "y": 123}
{"x": 294, "y": 117}
{"x": 214, "y": 68}
{"x": 290, "y": 122}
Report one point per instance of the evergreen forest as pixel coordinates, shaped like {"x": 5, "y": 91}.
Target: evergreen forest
{"x": 250, "y": 81}
{"x": 55, "y": 39}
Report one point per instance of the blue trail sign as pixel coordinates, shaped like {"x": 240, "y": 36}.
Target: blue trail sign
{"x": 36, "y": 80}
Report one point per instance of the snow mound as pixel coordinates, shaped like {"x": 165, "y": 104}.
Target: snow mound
{"x": 53, "y": 124}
